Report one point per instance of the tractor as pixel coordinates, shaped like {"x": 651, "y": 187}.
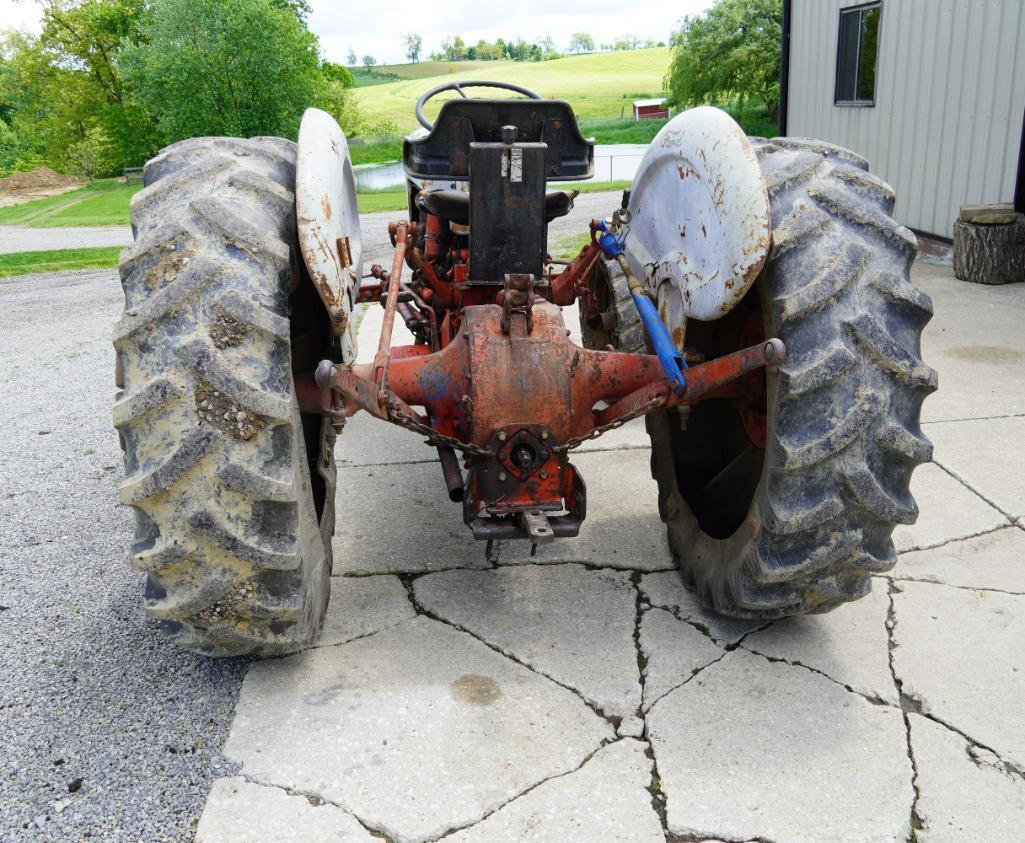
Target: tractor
{"x": 749, "y": 298}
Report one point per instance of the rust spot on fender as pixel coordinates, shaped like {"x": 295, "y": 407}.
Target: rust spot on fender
{"x": 325, "y": 205}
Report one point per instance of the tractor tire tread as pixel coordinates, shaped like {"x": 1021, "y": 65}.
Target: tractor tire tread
{"x": 216, "y": 471}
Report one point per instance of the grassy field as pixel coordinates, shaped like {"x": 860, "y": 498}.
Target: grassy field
{"x": 102, "y": 203}
{"x": 59, "y": 260}
{"x": 384, "y": 73}
{"x": 597, "y": 85}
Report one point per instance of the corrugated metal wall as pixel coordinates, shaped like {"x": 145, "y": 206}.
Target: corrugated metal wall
{"x": 950, "y": 94}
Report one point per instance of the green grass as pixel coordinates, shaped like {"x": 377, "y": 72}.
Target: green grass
{"x": 621, "y": 130}
{"x": 384, "y": 200}
{"x": 568, "y": 246}
{"x": 102, "y": 203}
{"x": 395, "y": 200}
{"x": 598, "y": 85}
{"x": 59, "y": 260}
{"x": 378, "y": 152}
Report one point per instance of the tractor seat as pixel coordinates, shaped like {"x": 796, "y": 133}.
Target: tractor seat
{"x": 454, "y": 205}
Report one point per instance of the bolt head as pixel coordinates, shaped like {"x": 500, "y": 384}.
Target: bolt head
{"x": 543, "y": 475}
{"x": 544, "y": 434}
{"x": 502, "y": 475}
{"x": 502, "y": 436}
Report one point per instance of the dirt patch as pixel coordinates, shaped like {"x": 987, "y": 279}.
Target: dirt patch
{"x": 35, "y": 184}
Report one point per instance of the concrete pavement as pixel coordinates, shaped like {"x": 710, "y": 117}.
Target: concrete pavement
{"x": 584, "y": 695}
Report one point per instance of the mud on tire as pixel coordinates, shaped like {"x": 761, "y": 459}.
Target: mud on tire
{"x": 233, "y": 494}
{"x": 800, "y": 525}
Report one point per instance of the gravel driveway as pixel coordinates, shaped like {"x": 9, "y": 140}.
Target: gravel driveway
{"x": 17, "y": 238}
{"x": 106, "y": 731}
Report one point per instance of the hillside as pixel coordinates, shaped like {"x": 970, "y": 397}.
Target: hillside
{"x": 596, "y": 85}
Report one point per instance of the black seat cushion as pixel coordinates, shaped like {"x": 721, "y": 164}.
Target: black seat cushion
{"x": 454, "y": 205}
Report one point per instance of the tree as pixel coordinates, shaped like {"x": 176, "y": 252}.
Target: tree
{"x": 337, "y": 73}
{"x": 225, "y": 67}
{"x": 65, "y": 89}
{"x": 414, "y": 43}
{"x": 454, "y": 47}
{"x": 369, "y": 62}
{"x": 351, "y": 59}
{"x": 581, "y": 42}
{"x": 731, "y": 52}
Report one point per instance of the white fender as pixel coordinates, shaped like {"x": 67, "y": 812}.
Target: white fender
{"x": 699, "y": 226}
{"x": 328, "y": 220}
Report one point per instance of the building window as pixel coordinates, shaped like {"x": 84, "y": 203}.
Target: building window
{"x": 856, "y": 49}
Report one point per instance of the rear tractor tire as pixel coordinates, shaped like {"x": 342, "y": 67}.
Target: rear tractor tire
{"x": 799, "y": 522}
{"x": 233, "y": 489}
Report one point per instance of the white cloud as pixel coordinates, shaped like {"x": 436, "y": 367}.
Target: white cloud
{"x": 20, "y": 14}
{"x": 376, "y": 28}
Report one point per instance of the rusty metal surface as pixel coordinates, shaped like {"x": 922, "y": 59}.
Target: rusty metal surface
{"x": 699, "y": 227}
{"x": 328, "y": 220}
{"x": 394, "y": 280}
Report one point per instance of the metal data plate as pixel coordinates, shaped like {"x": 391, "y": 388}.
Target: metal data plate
{"x": 329, "y": 232}
{"x": 699, "y": 228}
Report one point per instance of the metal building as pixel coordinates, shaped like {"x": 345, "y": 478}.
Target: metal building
{"x": 931, "y": 92}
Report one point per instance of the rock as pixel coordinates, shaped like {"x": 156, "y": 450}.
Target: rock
{"x": 959, "y": 654}
{"x": 673, "y": 651}
{"x": 416, "y": 730}
{"x": 565, "y": 621}
{"x": 850, "y": 644}
{"x": 630, "y": 727}
{"x": 994, "y": 560}
{"x": 606, "y": 799}
{"x": 666, "y": 590}
{"x": 237, "y": 810}
{"x": 362, "y": 605}
{"x": 755, "y": 749}
{"x": 962, "y": 797}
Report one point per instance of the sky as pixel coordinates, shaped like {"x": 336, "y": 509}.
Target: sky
{"x": 376, "y": 27}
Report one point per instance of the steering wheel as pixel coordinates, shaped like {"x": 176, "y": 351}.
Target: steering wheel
{"x": 458, "y": 87}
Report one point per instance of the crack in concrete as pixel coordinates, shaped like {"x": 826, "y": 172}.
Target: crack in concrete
{"x": 913, "y": 704}
{"x": 316, "y": 800}
{"x": 915, "y": 819}
{"x": 347, "y": 640}
{"x": 974, "y": 418}
{"x": 587, "y": 565}
{"x": 916, "y": 548}
{"x": 707, "y": 838}
{"x": 658, "y": 798}
{"x": 874, "y": 700}
{"x": 727, "y": 648}
{"x": 611, "y": 719}
{"x": 951, "y": 585}
{"x": 694, "y": 673}
{"x": 523, "y": 793}
{"x": 1012, "y": 518}
{"x": 397, "y": 463}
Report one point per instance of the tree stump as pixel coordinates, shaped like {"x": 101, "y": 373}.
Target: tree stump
{"x": 990, "y": 254}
